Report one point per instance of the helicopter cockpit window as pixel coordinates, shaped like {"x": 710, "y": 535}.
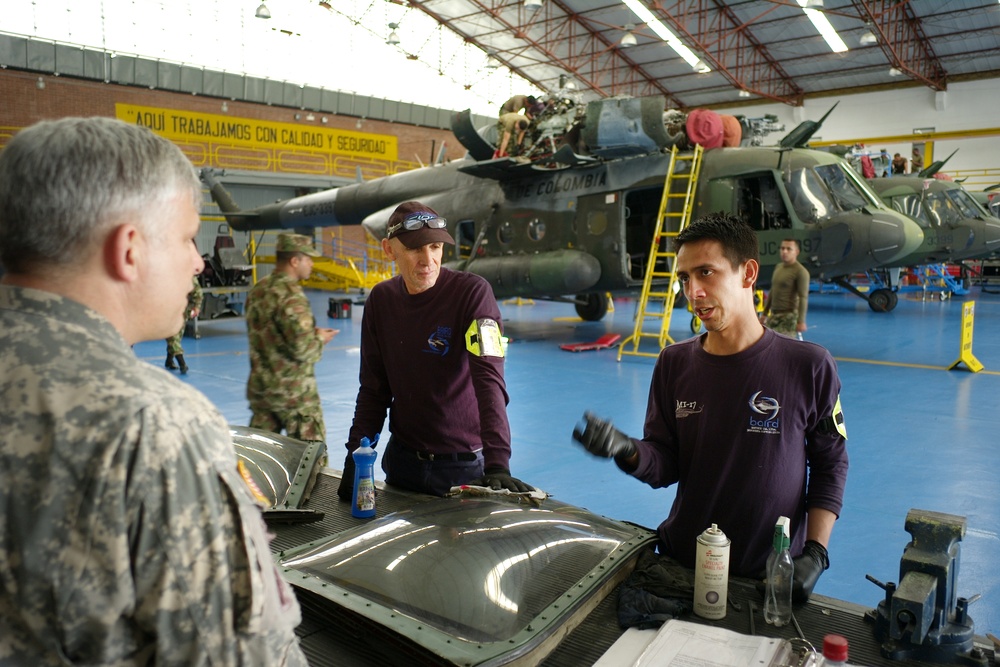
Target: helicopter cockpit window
{"x": 505, "y": 234}
{"x": 536, "y": 230}
{"x": 913, "y": 206}
{"x": 846, "y": 192}
{"x": 810, "y": 198}
{"x": 965, "y": 203}
{"x": 943, "y": 210}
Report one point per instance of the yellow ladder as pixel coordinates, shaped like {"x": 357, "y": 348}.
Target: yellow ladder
{"x": 682, "y": 175}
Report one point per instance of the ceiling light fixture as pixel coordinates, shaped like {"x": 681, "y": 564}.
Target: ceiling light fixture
{"x": 532, "y": 5}
{"x": 823, "y": 25}
{"x": 664, "y": 33}
{"x": 628, "y": 39}
{"x": 895, "y": 71}
{"x": 744, "y": 93}
{"x": 868, "y": 38}
{"x": 393, "y": 38}
{"x": 263, "y": 12}
{"x": 491, "y": 61}
{"x": 701, "y": 68}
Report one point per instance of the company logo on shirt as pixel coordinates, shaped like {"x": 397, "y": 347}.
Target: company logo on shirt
{"x": 439, "y": 342}
{"x": 764, "y": 414}
{"x": 686, "y": 409}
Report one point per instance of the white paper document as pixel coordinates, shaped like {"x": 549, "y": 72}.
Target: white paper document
{"x": 684, "y": 644}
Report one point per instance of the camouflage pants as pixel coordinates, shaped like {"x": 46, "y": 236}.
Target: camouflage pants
{"x": 783, "y": 323}
{"x": 302, "y": 426}
{"x": 174, "y": 342}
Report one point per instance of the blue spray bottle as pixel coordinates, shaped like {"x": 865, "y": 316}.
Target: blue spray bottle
{"x": 363, "y": 506}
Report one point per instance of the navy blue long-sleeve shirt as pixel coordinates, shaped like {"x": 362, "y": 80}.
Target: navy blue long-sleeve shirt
{"x": 414, "y": 363}
{"x": 738, "y": 434}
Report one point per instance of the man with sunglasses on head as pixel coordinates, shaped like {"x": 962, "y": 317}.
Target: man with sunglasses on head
{"x": 431, "y": 355}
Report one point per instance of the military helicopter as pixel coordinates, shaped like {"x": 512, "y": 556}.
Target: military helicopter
{"x": 576, "y": 222}
{"x": 956, "y": 227}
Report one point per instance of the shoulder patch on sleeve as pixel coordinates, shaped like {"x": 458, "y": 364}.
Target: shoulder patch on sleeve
{"x": 483, "y": 338}
{"x": 834, "y": 423}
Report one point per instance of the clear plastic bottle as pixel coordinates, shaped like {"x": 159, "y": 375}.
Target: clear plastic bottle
{"x": 778, "y": 590}
{"x": 834, "y": 651}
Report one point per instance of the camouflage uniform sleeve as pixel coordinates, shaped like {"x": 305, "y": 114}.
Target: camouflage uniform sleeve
{"x": 298, "y": 328}
{"x": 206, "y": 586}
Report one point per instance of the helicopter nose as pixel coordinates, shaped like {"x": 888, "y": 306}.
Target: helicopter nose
{"x": 893, "y": 238}
{"x": 967, "y": 238}
{"x": 991, "y": 234}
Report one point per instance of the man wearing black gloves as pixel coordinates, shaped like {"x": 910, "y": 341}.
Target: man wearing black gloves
{"x": 746, "y": 422}
{"x": 432, "y": 355}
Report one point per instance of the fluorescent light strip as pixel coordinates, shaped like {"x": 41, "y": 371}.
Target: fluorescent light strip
{"x": 664, "y": 33}
{"x": 823, "y": 25}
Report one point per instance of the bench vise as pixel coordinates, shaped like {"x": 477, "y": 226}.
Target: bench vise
{"x": 922, "y": 618}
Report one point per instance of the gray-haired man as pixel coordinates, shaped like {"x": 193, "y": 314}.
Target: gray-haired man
{"x": 129, "y": 536}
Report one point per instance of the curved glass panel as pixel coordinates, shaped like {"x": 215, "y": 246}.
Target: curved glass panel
{"x": 279, "y": 467}
{"x": 913, "y": 206}
{"x": 966, "y": 205}
{"x": 811, "y": 200}
{"x": 477, "y": 570}
{"x": 942, "y": 209}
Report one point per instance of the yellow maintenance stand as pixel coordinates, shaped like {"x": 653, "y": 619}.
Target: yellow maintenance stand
{"x": 656, "y": 302}
{"x": 350, "y": 267}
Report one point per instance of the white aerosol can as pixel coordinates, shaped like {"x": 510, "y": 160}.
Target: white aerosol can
{"x": 711, "y": 574}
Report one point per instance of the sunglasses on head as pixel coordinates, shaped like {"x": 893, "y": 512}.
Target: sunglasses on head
{"x": 415, "y": 221}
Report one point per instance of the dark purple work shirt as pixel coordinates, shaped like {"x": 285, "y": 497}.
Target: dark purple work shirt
{"x": 738, "y": 434}
{"x": 441, "y": 398}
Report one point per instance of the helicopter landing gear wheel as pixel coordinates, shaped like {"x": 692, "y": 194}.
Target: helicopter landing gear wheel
{"x": 882, "y": 300}
{"x": 592, "y": 307}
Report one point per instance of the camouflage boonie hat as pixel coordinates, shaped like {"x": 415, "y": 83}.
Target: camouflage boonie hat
{"x": 296, "y": 243}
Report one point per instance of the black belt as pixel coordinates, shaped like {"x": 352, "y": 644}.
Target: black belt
{"x": 453, "y": 456}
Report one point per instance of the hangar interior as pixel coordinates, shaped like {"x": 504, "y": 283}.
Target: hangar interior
{"x": 921, "y": 72}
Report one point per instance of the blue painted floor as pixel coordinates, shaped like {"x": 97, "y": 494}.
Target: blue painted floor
{"x": 920, "y": 436}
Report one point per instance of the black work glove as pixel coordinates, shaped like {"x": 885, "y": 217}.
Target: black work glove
{"x": 813, "y": 561}
{"x": 601, "y": 438}
{"x": 501, "y": 479}
{"x": 346, "y": 489}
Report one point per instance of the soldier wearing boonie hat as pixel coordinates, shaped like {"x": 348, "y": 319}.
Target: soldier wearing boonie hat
{"x": 432, "y": 356}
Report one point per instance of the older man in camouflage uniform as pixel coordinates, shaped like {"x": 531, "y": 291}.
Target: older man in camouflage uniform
{"x": 128, "y": 536}
{"x": 285, "y": 345}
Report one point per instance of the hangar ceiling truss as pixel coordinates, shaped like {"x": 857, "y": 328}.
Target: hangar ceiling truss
{"x": 754, "y": 49}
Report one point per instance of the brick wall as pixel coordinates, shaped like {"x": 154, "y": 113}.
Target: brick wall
{"x": 24, "y": 103}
